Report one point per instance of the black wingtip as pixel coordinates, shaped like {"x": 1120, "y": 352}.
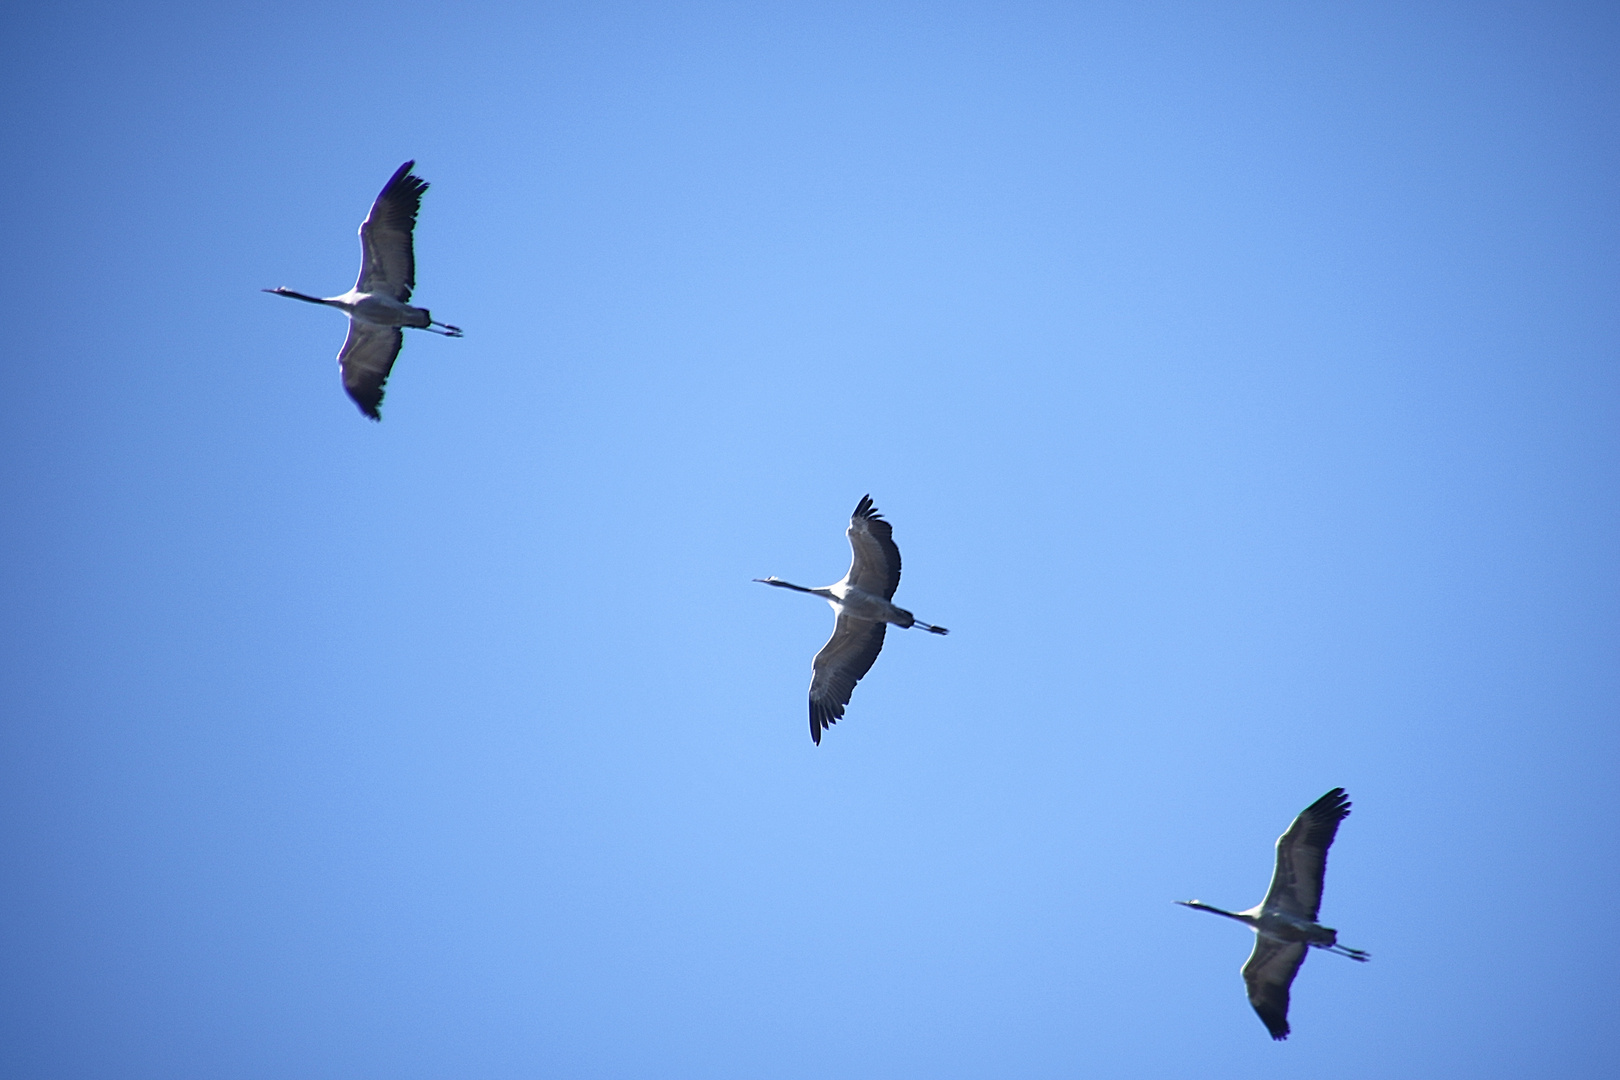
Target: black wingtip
{"x": 866, "y": 509}
{"x": 404, "y": 184}
{"x": 371, "y": 410}
{"x": 1335, "y": 803}
{"x": 822, "y": 718}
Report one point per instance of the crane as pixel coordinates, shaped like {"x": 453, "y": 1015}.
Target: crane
{"x": 377, "y": 306}
{"x": 862, "y": 603}
{"x": 1284, "y": 923}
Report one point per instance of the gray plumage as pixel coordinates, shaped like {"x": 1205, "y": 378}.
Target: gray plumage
{"x": 862, "y": 602}
{"x": 1284, "y": 922}
{"x": 379, "y": 304}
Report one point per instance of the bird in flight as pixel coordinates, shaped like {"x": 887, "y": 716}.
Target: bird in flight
{"x": 862, "y": 603}
{"x": 1284, "y": 923}
{"x": 378, "y": 306}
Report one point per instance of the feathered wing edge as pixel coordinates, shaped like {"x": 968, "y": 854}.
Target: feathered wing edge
{"x": 841, "y": 663}
{"x": 1296, "y": 884}
{"x": 874, "y": 564}
{"x": 367, "y": 357}
{"x": 1267, "y": 975}
{"x": 387, "y": 254}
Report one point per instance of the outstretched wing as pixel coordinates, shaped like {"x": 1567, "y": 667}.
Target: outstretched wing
{"x": 1268, "y": 974}
{"x": 839, "y": 665}
{"x": 875, "y": 563}
{"x": 387, "y": 262}
{"x": 1296, "y": 884}
{"x": 367, "y": 358}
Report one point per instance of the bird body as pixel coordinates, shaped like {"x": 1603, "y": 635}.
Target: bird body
{"x": 1284, "y": 922}
{"x": 1276, "y": 925}
{"x": 847, "y": 600}
{"x": 863, "y": 606}
{"x": 377, "y": 306}
{"x": 374, "y": 309}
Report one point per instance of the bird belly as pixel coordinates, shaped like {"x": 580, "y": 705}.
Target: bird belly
{"x": 386, "y": 311}
{"x": 863, "y": 605}
{"x": 1283, "y": 927}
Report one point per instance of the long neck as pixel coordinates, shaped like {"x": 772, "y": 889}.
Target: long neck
{"x": 295, "y": 296}
{"x": 780, "y": 584}
{"x": 1199, "y": 905}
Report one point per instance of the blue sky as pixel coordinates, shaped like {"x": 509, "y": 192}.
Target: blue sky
{"x": 1240, "y": 380}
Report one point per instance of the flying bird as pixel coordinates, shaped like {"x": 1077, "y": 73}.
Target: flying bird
{"x": 1284, "y": 923}
{"x": 862, "y": 603}
{"x": 377, "y": 306}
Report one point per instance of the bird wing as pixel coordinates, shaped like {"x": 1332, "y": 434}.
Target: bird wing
{"x": 387, "y": 263}
{"x": 1268, "y": 974}
{"x": 875, "y": 563}
{"x": 367, "y": 358}
{"x": 1296, "y": 884}
{"x": 839, "y": 665}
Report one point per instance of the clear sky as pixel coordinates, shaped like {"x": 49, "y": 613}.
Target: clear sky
{"x": 1240, "y": 379}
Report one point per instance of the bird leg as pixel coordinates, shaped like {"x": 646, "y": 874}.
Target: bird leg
{"x": 930, "y": 629}
{"x": 448, "y": 331}
{"x": 1344, "y": 950}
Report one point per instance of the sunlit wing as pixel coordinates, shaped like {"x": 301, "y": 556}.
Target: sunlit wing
{"x": 1296, "y": 884}
{"x": 847, "y": 656}
{"x": 367, "y": 358}
{"x": 387, "y": 262}
{"x": 875, "y": 560}
{"x": 1268, "y": 974}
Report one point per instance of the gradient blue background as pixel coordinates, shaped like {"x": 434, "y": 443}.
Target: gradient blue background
{"x": 1240, "y": 379}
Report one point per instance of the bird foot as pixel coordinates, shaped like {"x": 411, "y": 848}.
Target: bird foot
{"x": 1359, "y": 955}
